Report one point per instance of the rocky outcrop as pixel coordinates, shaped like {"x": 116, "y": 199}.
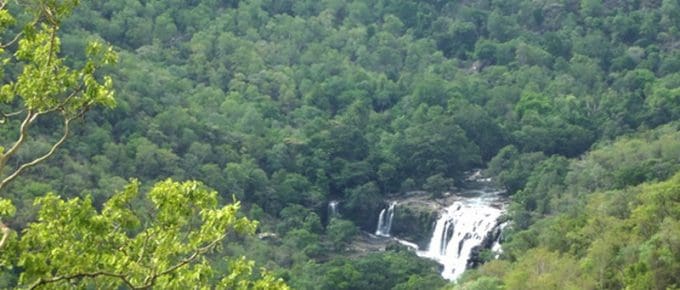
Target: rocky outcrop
{"x": 413, "y": 224}
{"x": 476, "y": 258}
{"x": 415, "y": 216}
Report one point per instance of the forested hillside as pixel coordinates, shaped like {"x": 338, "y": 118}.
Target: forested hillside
{"x": 572, "y": 106}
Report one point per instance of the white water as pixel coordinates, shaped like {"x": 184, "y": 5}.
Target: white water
{"x": 496, "y": 247}
{"x": 385, "y": 221}
{"x": 333, "y": 208}
{"x": 462, "y": 226}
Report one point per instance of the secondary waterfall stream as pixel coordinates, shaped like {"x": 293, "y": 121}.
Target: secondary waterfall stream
{"x": 470, "y": 220}
{"x": 385, "y": 221}
{"x": 333, "y": 209}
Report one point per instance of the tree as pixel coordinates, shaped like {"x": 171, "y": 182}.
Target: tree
{"x": 72, "y": 244}
{"x": 543, "y": 269}
{"x": 44, "y": 86}
{"x": 513, "y": 168}
{"x": 341, "y": 232}
{"x": 437, "y": 185}
{"x": 160, "y": 239}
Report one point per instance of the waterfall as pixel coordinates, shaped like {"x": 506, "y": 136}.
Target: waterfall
{"x": 385, "y": 221}
{"x": 460, "y": 227}
{"x": 469, "y": 224}
{"x": 333, "y": 209}
{"x": 496, "y": 247}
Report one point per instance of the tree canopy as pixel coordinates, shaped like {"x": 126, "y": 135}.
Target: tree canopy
{"x": 160, "y": 239}
{"x": 572, "y": 106}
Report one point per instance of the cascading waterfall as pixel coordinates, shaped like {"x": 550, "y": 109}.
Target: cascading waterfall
{"x": 333, "y": 209}
{"x": 462, "y": 226}
{"x": 496, "y": 247}
{"x": 468, "y": 224}
{"x": 385, "y": 220}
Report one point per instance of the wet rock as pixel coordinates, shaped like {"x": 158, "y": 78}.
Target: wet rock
{"x": 414, "y": 222}
{"x": 476, "y": 258}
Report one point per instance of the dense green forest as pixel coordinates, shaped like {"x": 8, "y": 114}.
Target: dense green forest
{"x": 572, "y": 106}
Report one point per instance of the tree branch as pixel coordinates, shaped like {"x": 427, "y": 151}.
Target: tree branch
{"x": 23, "y": 133}
{"x": 53, "y": 35}
{"x": 14, "y": 40}
{"x": 148, "y": 282}
{"x": 5, "y": 233}
{"x": 6, "y": 116}
{"x": 152, "y": 279}
{"x": 193, "y": 256}
{"x": 143, "y": 249}
{"x": 23, "y": 167}
{"x": 42, "y": 282}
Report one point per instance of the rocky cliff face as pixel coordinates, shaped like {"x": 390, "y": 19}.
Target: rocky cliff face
{"x": 415, "y": 216}
{"x": 476, "y": 256}
{"x": 414, "y": 223}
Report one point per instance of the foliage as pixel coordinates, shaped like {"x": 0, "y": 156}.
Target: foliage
{"x": 161, "y": 240}
{"x": 291, "y": 104}
{"x": 72, "y": 244}
{"x": 623, "y": 238}
{"x": 340, "y": 232}
{"x": 374, "y": 271}
{"x": 44, "y": 87}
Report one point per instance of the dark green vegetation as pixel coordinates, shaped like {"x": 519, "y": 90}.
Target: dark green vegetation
{"x": 288, "y": 104}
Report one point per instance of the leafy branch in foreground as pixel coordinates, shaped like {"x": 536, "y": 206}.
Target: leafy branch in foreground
{"x": 74, "y": 244}
{"x": 39, "y": 85}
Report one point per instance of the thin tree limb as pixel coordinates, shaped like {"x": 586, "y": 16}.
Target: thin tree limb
{"x": 23, "y": 133}
{"x": 152, "y": 279}
{"x": 43, "y": 281}
{"x": 23, "y": 167}
{"x": 148, "y": 282}
{"x": 5, "y": 233}
{"x": 6, "y": 116}
{"x": 143, "y": 249}
{"x": 53, "y": 35}
{"x": 14, "y": 40}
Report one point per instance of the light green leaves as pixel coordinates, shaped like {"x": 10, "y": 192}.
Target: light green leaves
{"x": 239, "y": 277}
{"x": 163, "y": 245}
{"x": 45, "y": 83}
{"x": 6, "y": 208}
{"x": 39, "y": 85}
